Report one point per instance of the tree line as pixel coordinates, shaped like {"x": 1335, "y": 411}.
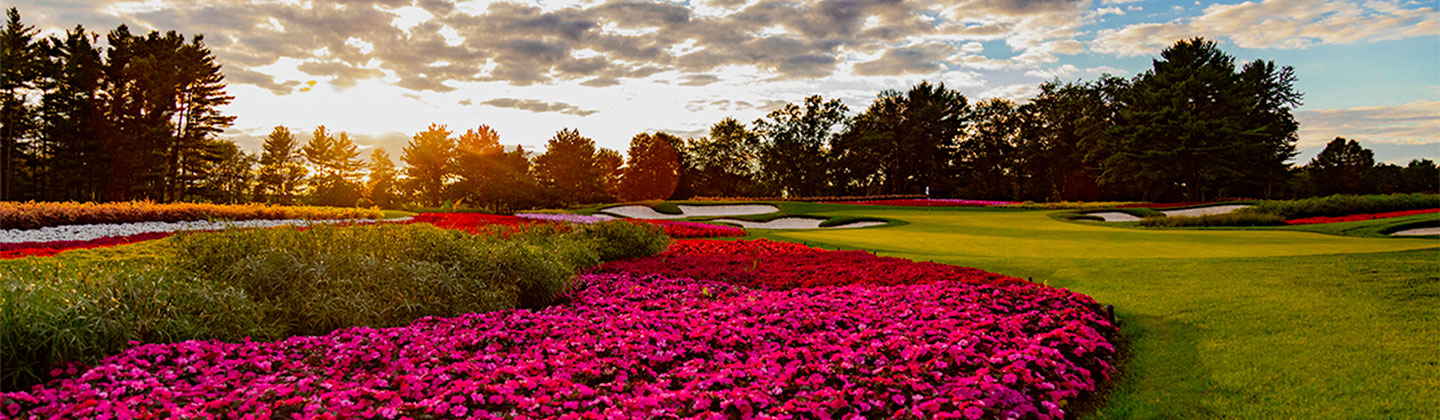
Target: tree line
{"x": 138, "y": 119}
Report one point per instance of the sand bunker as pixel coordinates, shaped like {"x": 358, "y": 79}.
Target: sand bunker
{"x": 795, "y": 223}
{"x": 1205, "y": 211}
{"x": 1115, "y": 216}
{"x": 1418, "y": 232}
{"x": 645, "y": 212}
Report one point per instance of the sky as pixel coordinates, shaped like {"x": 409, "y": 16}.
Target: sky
{"x": 382, "y": 70}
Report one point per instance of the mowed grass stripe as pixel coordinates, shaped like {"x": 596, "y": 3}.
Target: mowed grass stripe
{"x": 1223, "y": 323}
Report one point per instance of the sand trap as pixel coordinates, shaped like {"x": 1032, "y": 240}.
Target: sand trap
{"x": 1205, "y": 211}
{"x": 1418, "y": 232}
{"x": 795, "y": 223}
{"x": 1115, "y": 216}
{"x": 645, "y": 212}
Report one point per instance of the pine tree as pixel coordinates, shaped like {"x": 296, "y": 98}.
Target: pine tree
{"x": 281, "y": 170}
{"x": 1193, "y": 128}
{"x": 200, "y": 92}
{"x": 19, "y": 58}
{"x": 430, "y": 157}
{"x": 336, "y": 161}
{"x": 72, "y": 119}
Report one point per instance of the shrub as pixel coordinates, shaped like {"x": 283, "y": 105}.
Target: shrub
{"x": 618, "y": 240}
{"x": 1344, "y": 205}
{"x": 1228, "y": 219}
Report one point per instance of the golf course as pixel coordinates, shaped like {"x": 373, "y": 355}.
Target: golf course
{"x": 1220, "y": 323}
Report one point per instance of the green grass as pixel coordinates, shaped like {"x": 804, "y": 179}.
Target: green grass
{"x": 1287, "y": 322}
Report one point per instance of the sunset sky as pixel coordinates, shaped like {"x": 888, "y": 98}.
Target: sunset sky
{"x": 384, "y": 69}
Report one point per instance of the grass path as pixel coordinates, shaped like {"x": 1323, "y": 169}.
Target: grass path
{"x": 1223, "y": 323}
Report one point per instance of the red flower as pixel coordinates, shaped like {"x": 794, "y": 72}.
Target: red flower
{"x": 1357, "y": 217}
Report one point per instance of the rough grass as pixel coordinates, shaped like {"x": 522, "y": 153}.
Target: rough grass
{"x": 1223, "y": 323}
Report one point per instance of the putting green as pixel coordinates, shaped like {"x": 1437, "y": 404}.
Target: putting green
{"x": 1008, "y": 233}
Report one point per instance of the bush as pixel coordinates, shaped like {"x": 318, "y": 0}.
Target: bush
{"x": 272, "y": 283}
{"x": 1344, "y": 205}
{"x": 618, "y": 239}
{"x": 1228, "y": 219}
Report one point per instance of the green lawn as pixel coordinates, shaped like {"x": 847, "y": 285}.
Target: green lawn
{"x": 1223, "y": 323}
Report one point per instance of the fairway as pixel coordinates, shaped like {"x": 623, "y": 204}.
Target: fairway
{"x": 1222, "y": 323}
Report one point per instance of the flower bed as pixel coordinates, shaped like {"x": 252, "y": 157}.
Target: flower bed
{"x": 779, "y": 265}
{"x": 1358, "y": 217}
{"x": 52, "y": 240}
{"x": 679, "y": 229}
{"x": 33, "y": 215}
{"x": 45, "y": 249}
{"x": 644, "y": 345}
{"x": 472, "y": 222}
{"x": 928, "y": 202}
{"x": 562, "y": 217}
{"x": 476, "y": 222}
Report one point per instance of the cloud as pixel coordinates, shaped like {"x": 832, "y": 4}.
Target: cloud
{"x": 595, "y": 43}
{"x": 1412, "y": 123}
{"x": 537, "y": 106}
{"x": 915, "y": 59}
{"x": 1286, "y": 24}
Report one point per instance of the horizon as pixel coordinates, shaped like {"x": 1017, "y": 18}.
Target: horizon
{"x": 384, "y": 70}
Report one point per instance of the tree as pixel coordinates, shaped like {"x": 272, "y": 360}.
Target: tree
{"x": 489, "y": 176}
{"x": 200, "y": 92}
{"x": 429, "y": 157}
{"x": 232, "y": 177}
{"x": 987, "y": 160}
{"x": 381, "y": 186}
{"x": 281, "y": 170}
{"x": 161, "y": 98}
{"x": 19, "y": 55}
{"x": 726, "y": 163}
{"x": 1059, "y": 128}
{"x": 1272, "y": 131}
{"x": 1188, "y": 127}
{"x": 337, "y": 165}
{"x": 71, "y": 119}
{"x": 794, "y": 153}
{"x": 903, "y": 142}
{"x": 569, "y": 168}
{"x": 653, "y": 169}
{"x": 612, "y": 167}
{"x": 1422, "y": 176}
{"x": 1343, "y": 167}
